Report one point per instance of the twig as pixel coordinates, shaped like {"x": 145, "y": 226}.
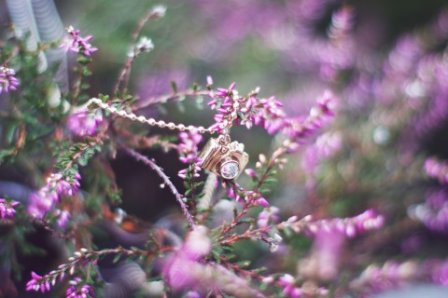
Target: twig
{"x": 123, "y": 78}
{"x": 150, "y": 163}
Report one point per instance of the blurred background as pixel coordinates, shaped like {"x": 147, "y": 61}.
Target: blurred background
{"x": 385, "y": 60}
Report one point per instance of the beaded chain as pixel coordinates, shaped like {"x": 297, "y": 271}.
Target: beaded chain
{"x": 149, "y": 121}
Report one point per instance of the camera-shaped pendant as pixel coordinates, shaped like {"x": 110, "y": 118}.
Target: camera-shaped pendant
{"x": 225, "y": 159}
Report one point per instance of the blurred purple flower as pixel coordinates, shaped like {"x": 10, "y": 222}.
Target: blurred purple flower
{"x": 78, "y": 289}
{"x": 36, "y": 283}
{"x": 75, "y": 43}
{"x": 437, "y": 169}
{"x": 433, "y": 213}
{"x": 188, "y": 146}
{"x": 82, "y": 122}
{"x": 8, "y": 80}
{"x": 349, "y": 227}
{"x": 7, "y": 210}
{"x": 393, "y": 274}
{"x": 287, "y": 282}
{"x": 325, "y": 146}
{"x": 299, "y": 129}
{"x": 63, "y": 218}
{"x": 177, "y": 268}
{"x": 440, "y": 274}
{"x": 268, "y": 216}
{"x": 48, "y": 195}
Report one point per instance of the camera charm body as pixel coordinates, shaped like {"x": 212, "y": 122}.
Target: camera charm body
{"x": 223, "y": 157}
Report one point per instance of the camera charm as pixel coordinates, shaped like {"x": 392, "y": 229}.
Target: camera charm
{"x": 223, "y": 157}
{"x": 220, "y": 155}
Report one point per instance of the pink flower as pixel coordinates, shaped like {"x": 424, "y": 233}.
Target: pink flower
{"x": 433, "y": 213}
{"x": 299, "y": 129}
{"x": 262, "y": 202}
{"x": 250, "y": 172}
{"x": 83, "y": 123}
{"x": 63, "y": 218}
{"x": 197, "y": 244}
{"x": 79, "y": 290}
{"x": 267, "y": 216}
{"x": 189, "y": 153}
{"x": 287, "y": 282}
{"x": 75, "y": 43}
{"x": 48, "y": 195}
{"x": 8, "y": 80}
{"x": 325, "y": 258}
{"x": 188, "y": 146}
{"x": 437, "y": 169}
{"x": 177, "y": 268}
{"x": 440, "y": 274}
{"x": 37, "y": 283}
{"x": 7, "y": 210}
{"x": 325, "y": 146}
{"x": 350, "y": 227}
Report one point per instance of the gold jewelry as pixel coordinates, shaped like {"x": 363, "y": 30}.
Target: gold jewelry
{"x": 223, "y": 157}
{"x": 220, "y": 155}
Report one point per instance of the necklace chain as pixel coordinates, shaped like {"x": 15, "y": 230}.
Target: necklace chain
{"x": 149, "y": 121}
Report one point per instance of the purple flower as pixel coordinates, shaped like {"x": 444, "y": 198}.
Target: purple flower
{"x": 78, "y": 289}
{"x": 326, "y": 255}
{"x": 261, "y": 202}
{"x": 7, "y": 210}
{"x": 433, "y": 213}
{"x": 226, "y": 103}
{"x": 325, "y": 147}
{"x": 349, "y": 227}
{"x": 287, "y": 282}
{"x": 177, "y": 272}
{"x": 63, "y": 218}
{"x": 37, "y": 283}
{"x": 193, "y": 294}
{"x": 189, "y": 153}
{"x": 268, "y": 216}
{"x": 177, "y": 268}
{"x": 8, "y": 80}
{"x": 75, "y": 43}
{"x": 197, "y": 244}
{"x": 250, "y": 172}
{"x": 48, "y": 195}
{"x": 188, "y": 146}
{"x": 298, "y": 129}
{"x": 247, "y": 111}
{"x": 440, "y": 274}
{"x": 341, "y": 23}
{"x": 270, "y": 115}
{"x": 82, "y": 122}
{"x": 437, "y": 169}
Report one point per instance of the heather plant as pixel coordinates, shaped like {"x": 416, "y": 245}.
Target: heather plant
{"x": 347, "y": 159}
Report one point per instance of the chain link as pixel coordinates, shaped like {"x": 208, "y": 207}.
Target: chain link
{"x": 149, "y": 121}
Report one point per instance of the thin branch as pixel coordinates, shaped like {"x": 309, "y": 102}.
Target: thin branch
{"x": 150, "y": 163}
{"x": 123, "y": 78}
